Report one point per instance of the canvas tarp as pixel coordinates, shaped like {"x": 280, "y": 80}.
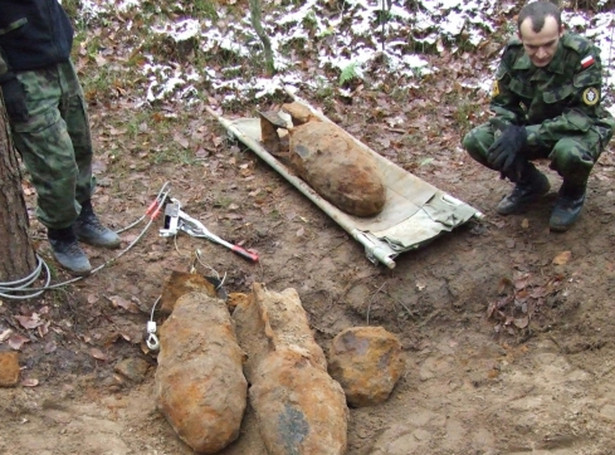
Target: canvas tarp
{"x": 415, "y": 211}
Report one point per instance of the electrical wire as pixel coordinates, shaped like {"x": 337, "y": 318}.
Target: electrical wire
{"x": 21, "y": 289}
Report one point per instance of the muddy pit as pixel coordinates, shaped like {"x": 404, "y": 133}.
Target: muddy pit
{"x": 507, "y": 329}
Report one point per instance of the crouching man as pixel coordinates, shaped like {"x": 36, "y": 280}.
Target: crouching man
{"x": 546, "y": 100}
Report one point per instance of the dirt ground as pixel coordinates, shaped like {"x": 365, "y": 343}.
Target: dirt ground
{"x": 507, "y": 328}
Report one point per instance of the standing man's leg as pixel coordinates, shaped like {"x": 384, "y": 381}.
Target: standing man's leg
{"x": 74, "y": 112}
{"x": 48, "y": 154}
{"x": 47, "y": 149}
{"x": 88, "y": 227}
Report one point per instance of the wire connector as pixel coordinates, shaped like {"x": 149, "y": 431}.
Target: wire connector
{"x": 152, "y": 340}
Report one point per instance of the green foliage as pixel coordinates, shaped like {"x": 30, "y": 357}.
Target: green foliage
{"x": 92, "y": 44}
{"x": 72, "y": 7}
{"x": 98, "y": 84}
{"x": 194, "y": 8}
{"x": 173, "y": 155}
{"x": 400, "y": 94}
{"x": 275, "y": 215}
{"x": 324, "y": 90}
{"x": 349, "y": 72}
{"x": 310, "y": 20}
{"x": 223, "y": 201}
{"x": 593, "y": 5}
{"x": 150, "y": 8}
{"x": 329, "y": 31}
{"x": 426, "y": 161}
{"x": 467, "y": 109}
{"x": 206, "y": 8}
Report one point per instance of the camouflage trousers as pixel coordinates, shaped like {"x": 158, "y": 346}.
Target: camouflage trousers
{"x": 572, "y": 156}
{"x": 55, "y": 143}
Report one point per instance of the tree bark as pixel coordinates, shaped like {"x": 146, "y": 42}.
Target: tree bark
{"x": 256, "y": 18}
{"x": 17, "y": 256}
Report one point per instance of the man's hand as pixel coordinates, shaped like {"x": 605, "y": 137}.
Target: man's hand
{"x": 15, "y": 100}
{"x": 505, "y": 153}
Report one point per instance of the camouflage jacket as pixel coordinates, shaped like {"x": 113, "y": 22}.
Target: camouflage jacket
{"x": 560, "y": 99}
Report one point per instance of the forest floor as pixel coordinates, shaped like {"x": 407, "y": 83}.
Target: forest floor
{"x": 507, "y": 328}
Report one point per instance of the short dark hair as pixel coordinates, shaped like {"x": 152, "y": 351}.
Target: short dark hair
{"x": 538, "y": 11}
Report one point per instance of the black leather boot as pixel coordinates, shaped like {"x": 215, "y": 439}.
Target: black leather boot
{"x": 89, "y": 229}
{"x": 568, "y": 206}
{"x": 531, "y": 185}
{"x": 67, "y": 252}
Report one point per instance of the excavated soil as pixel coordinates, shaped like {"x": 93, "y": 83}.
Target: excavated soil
{"x": 507, "y": 328}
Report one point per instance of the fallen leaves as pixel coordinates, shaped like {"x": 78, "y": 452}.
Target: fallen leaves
{"x": 30, "y": 321}
{"x": 98, "y": 354}
{"x": 29, "y": 382}
{"x": 5, "y": 335}
{"x": 128, "y": 305}
{"x": 16, "y": 341}
{"x": 521, "y": 299}
{"x": 562, "y": 258}
{"x": 30, "y": 325}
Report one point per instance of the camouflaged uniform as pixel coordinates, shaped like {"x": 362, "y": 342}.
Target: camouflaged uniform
{"x": 54, "y": 142}
{"x": 559, "y": 105}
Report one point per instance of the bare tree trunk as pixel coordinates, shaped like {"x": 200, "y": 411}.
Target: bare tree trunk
{"x": 256, "y": 18}
{"x": 17, "y": 257}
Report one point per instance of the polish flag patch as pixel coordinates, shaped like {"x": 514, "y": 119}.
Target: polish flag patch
{"x": 587, "y": 62}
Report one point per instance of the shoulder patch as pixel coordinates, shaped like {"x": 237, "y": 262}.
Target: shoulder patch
{"x": 591, "y": 96}
{"x": 587, "y": 61}
{"x": 495, "y": 89}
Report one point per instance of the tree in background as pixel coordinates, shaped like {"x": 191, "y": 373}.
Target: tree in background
{"x": 257, "y": 23}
